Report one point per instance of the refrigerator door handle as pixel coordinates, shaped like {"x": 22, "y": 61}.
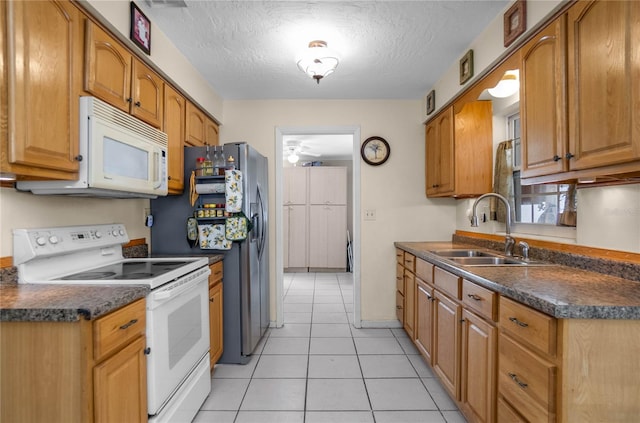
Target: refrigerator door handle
{"x": 261, "y": 224}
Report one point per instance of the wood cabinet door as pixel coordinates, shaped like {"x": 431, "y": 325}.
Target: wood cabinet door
{"x": 174, "y": 126}
{"x": 410, "y": 304}
{"x": 215, "y": 323}
{"x": 440, "y": 155}
{"x": 107, "y": 70}
{"x": 424, "y": 320}
{"x": 542, "y": 102}
{"x": 478, "y": 367}
{"x": 327, "y": 236}
{"x": 211, "y": 133}
{"x": 147, "y": 92}
{"x": 604, "y": 83}
{"x": 120, "y": 386}
{"x": 195, "y": 133}
{"x": 446, "y": 344}
{"x": 295, "y": 183}
{"x": 297, "y": 245}
{"x": 41, "y": 88}
{"x": 328, "y": 185}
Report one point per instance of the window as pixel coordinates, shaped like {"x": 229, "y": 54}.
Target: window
{"x": 544, "y": 204}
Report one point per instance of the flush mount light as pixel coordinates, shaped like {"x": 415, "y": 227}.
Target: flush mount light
{"x": 508, "y": 85}
{"x": 293, "y": 158}
{"x": 318, "y": 61}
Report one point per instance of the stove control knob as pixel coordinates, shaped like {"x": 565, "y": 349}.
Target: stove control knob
{"x": 98, "y": 234}
{"x": 115, "y": 234}
{"x": 121, "y": 232}
{"x": 41, "y": 240}
{"x": 53, "y": 239}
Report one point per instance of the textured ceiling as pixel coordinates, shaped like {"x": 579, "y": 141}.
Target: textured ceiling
{"x": 388, "y": 49}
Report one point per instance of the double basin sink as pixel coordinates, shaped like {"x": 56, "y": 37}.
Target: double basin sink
{"x": 474, "y": 257}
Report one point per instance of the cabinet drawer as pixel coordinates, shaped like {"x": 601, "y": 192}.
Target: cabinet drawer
{"x": 113, "y": 331}
{"x": 410, "y": 262}
{"x": 400, "y": 307}
{"x": 424, "y": 270}
{"x": 480, "y": 299}
{"x": 506, "y": 414}
{"x": 528, "y": 326}
{"x": 447, "y": 282}
{"x": 216, "y": 273}
{"x": 399, "y": 256}
{"x": 400, "y": 278}
{"x": 526, "y": 381}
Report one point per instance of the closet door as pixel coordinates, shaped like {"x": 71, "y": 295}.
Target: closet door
{"x": 295, "y": 185}
{"x": 327, "y": 236}
{"x": 328, "y": 185}
{"x": 297, "y": 235}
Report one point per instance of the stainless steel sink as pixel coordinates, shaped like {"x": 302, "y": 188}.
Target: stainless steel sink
{"x": 464, "y": 253}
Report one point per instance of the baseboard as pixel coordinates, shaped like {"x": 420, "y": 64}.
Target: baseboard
{"x": 381, "y": 324}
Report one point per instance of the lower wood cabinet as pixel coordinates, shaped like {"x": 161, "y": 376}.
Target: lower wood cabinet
{"x": 409, "y": 303}
{"x": 215, "y": 313}
{"x": 82, "y": 371}
{"x": 446, "y": 342}
{"x": 424, "y": 320}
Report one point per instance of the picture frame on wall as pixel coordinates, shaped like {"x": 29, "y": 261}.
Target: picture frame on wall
{"x": 140, "y": 32}
{"x": 515, "y": 22}
{"x": 431, "y": 102}
{"x": 466, "y": 67}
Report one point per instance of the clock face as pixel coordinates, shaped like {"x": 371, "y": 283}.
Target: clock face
{"x": 375, "y": 151}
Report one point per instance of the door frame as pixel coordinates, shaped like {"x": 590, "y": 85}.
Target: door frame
{"x": 354, "y": 131}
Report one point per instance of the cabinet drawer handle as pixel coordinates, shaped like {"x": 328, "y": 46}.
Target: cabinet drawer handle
{"x": 474, "y": 297}
{"x": 518, "y": 322}
{"x": 514, "y": 377}
{"x": 127, "y": 325}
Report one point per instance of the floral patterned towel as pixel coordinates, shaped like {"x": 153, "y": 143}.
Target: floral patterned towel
{"x": 233, "y": 190}
{"x": 236, "y": 228}
{"x": 212, "y": 237}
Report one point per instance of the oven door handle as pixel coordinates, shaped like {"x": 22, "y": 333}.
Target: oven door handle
{"x": 166, "y": 294}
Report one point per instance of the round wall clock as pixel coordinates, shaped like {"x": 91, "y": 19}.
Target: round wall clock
{"x": 375, "y": 151}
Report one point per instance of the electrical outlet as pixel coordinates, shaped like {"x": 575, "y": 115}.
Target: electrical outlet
{"x": 370, "y": 214}
{"x": 146, "y": 211}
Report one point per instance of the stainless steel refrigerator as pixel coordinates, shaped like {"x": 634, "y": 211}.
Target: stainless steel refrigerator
{"x": 246, "y": 264}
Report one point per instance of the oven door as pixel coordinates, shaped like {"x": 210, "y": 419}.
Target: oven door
{"x": 177, "y": 334}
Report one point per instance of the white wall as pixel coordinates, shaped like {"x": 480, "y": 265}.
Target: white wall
{"x": 395, "y": 189}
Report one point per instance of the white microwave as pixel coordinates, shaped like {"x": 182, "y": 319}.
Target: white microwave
{"x": 120, "y": 156}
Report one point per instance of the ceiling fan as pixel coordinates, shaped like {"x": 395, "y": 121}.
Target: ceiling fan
{"x": 293, "y": 149}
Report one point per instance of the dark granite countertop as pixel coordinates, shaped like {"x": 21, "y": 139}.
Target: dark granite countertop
{"x": 560, "y": 291}
{"x": 64, "y": 303}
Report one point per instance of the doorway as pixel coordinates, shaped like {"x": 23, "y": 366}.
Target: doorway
{"x": 352, "y": 134}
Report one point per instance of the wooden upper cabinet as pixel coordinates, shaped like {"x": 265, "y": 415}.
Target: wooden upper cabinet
{"x": 211, "y": 136}
{"x": 542, "y": 102}
{"x": 196, "y": 120}
{"x": 115, "y": 76}
{"x": 439, "y": 155}
{"x": 40, "y": 86}
{"x": 459, "y": 158}
{"x": 174, "y": 126}
{"x": 107, "y": 68}
{"x": 604, "y": 83}
{"x": 147, "y": 92}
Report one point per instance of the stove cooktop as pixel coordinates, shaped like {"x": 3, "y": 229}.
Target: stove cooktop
{"x": 128, "y": 270}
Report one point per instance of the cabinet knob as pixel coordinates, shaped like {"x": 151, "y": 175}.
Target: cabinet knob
{"x": 569, "y": 156}
{"x": 435, "y": 186}
{"x": 147, "y": 351}
{"x": 556, "y": 158}
{"x": 169, "y": 178}
{"x": 78, "y": 158}
{"x": 137, "y": 103}
{"x": 129, "y": 100}
{"x": 399, "y": 307}
{"x": 211, "y": 299}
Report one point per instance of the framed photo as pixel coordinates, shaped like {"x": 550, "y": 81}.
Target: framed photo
{"x": 140, "y": 29}
{"x": 515, "y": 22}
{"x": 466, "y": 67}
{"x": 431, "y": 102}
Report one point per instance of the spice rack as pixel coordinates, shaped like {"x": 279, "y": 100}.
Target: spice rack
{"x": 210, "y": 206}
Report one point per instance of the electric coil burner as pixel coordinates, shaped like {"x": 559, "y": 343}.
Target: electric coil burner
{"x": 178, "y": 379}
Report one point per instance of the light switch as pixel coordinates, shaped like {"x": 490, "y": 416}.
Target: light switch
{"x": 370, "y": 214}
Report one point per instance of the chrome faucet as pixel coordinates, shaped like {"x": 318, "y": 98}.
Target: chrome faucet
{"x": 509, "y": 242}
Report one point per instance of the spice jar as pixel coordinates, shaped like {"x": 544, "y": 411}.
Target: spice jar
{"x": 231, "y": 163}
{"x": 200, "y": 166}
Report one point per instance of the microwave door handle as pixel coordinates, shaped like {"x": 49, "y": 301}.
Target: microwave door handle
{"x": 157, "y": 154}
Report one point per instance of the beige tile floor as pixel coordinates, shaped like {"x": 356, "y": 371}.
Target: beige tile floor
{"x": 318, "y": 368}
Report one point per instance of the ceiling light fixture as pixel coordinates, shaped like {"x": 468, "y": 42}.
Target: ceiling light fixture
{"x": 318, "y": 61}
{"x": 508, "y": 85}
{"x": 293, "y": 158}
